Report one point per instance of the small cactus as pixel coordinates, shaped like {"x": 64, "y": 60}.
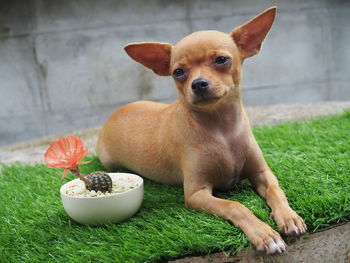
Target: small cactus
{"x": 100, "y": 181}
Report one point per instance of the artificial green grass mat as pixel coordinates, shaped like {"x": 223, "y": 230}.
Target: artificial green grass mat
{"x": 311, "y": 160}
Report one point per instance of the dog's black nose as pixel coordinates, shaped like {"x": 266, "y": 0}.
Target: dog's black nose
{"x": 200, "y": 86}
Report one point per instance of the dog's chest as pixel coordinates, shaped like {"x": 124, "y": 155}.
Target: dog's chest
{"x": 230, "y": 150}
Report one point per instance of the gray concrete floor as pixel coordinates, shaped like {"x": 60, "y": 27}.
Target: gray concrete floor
{"x": 331, "y": 245}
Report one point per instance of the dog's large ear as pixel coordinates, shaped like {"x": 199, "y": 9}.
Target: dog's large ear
{"x": 155, "y": 56}
{"x": 250, "y": 36}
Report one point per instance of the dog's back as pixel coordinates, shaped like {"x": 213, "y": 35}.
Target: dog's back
{"x": 132, "y": 138}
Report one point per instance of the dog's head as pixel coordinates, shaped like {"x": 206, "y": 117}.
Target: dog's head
{"x": 206, "y": 65}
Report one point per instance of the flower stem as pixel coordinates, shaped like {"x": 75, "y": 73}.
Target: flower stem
{"x": 80, "y": 176}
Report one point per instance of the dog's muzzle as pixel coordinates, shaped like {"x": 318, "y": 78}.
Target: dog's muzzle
{"x": 200, "y": 86}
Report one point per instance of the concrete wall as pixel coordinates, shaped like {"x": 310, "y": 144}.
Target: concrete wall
{"x": 62, "y": 66}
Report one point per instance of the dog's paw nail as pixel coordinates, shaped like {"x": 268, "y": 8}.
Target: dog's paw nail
{"x": 297, "y": 231}
{"x": 266, "y": 248}
{"x": 293, "y": 230}
{"x": 284, "y": 229}
{"x": 282, "y": 245}
{"x": 274, "y": 248}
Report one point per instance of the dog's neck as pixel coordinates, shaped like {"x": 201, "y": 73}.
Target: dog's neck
{"x": 224, "y": 117}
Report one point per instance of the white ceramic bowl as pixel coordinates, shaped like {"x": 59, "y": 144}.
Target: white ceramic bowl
{"x": 99, "y": 210}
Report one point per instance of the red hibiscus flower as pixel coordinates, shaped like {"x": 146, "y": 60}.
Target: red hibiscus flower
{"x": 66, "y": 153}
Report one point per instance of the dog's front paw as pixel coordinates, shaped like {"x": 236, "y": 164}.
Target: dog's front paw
{"x": 289, "y": 223}
{"x": 265, "y": 239}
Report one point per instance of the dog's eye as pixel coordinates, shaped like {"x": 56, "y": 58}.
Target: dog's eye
{"x": 221, "y": 60}
{"x": 178, "y": 73}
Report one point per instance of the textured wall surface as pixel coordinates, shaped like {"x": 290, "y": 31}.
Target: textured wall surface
{"x": 62, "y": 66}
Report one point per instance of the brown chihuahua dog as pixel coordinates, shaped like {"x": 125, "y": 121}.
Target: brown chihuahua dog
{"x": 203, "y": 140}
